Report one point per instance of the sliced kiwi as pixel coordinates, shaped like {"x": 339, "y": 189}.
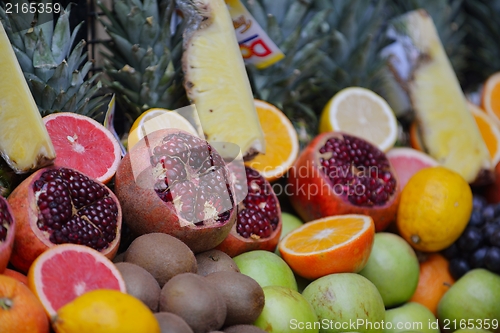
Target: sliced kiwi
{"x": 172, "y": 323}
{"x": 243, "y": 329}
{"x": 162, "y": 255}
{"x": 191, "y": 297}
{"x": 215, "y": 261}
{"x": 244, "y": 297}
{"x": 140, "y": 284}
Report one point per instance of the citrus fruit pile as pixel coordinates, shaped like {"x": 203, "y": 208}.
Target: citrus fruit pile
{"x": 235, "y": 214}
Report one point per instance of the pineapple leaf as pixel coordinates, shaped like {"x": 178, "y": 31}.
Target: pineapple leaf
{"x": 23, "y": 59}
{"x": 60, "y": 38}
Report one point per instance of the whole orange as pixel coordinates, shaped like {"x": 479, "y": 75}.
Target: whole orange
{"x": 20, "y": 310}
{"x": 16, "y": 275}
{"x": 434, "y": 281}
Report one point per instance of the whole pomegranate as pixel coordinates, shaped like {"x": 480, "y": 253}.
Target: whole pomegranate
{"x": 176, "y": 183}
{"x": 258, "y": 224}
{"x": 7, "y": 232}
{"x": 57, "y": 205}
{"x": 339, "y": 174}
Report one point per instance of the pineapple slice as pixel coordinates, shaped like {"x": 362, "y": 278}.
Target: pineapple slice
{"x": 24, "y": 142}
{"x": 449, "y": 132}
{"x": 215, "y": 77}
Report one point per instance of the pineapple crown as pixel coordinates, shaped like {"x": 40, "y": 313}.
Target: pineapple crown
{"x": 145, "y": 54}
{"x": 51, "y": 65}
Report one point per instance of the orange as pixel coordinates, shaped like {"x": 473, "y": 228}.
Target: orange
{"x": 20, "y": 310}
{"x": 64, "y": 272}
{"x": 434, "y": 209}
{"x": 16, "y": 275}
{"x": 434, "y": 280}
{"x": 415, "y": 139}
{"x": 335, "y": 244}
{"x": 282, "y": 143}
{"x": 489, "y": 131}
{"x": 490, "y": 98}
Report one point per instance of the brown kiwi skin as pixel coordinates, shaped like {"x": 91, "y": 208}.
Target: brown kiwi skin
{"x": 172, "y": 323}
{"x": 194, "y": 299}
{"x": 243, "y": 329}
{"x": 244, "y": 297}
{"x": 140, "y": 284}
{"x": 214, "y": 261}
{"x": 162, "y": 255}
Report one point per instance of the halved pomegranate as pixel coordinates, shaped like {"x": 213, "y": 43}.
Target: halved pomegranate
{"x": 57, "y": 205}
{"x": 176, "y": 183}
{"x": 7, "y": 232}
{"x": 258, "y": 224}
{"x": 340, "y": 174}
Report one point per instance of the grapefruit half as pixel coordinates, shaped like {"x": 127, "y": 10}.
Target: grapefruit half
{"x": 66, "y": 271}
{"x": 83, "y": 144}
{"x": 407, "y": 161}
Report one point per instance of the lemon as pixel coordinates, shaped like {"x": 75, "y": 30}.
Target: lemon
{"x": 156, "y": 119}
{"x": 105, "y": 311}
{"x": 434, "y": 209}
{"x": 363, "y": 113}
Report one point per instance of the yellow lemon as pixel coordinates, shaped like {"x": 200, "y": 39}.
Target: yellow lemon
{"x": 363, "y": 113}
{"x": 105, "y": 311}
{"x": 156, "y": 119}
{"x": 434, "y": 209}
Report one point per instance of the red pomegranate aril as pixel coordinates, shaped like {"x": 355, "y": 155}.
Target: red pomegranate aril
{"x": 338, "y": 173}
{"x": 195, "y": 176}
{"x": 59, "y": 205}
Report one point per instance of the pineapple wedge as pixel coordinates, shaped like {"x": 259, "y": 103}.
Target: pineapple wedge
{"x": 24, "y": 142}
{"x": 215, "y": 77}
{"x": 447, "y": 127}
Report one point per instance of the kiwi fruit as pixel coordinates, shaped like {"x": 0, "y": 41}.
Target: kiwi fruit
{"x": 191, "y": 297}
{"x": 172, "y": 323}
{"x": 162, "y": 255}
{"x": 119, "y": 257}
{"x": 243, "y": 329}
{"x": 140, "y": 284}
{"x": 244, "y": 297}
{"x": 215, "y": 261}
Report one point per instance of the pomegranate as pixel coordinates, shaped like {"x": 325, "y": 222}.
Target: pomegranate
{"x": 57, "y": 205}
{"x": 7, "y": 232}
{"x": 258, "y": 225}
{"x": 339, "y": 174}
{"x": 176, "y": 183}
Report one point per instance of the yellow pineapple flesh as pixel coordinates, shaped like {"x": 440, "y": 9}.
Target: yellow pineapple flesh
{"x": 215, "y": 77}
{"x": 449, "y": 132}
{"x": 24, "y": 142}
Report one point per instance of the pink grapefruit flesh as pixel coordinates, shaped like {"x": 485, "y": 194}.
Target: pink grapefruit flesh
{"x": 64, "y": 272}
{"x": 407, "y": 161}
{"x": 83, "y": 144}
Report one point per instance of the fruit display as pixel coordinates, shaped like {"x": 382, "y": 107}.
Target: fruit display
{"x": 243, "y": 166}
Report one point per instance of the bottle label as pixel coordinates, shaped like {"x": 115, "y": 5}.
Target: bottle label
{"x": 256, "y": 46}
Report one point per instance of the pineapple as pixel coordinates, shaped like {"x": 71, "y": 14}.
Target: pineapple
{"x": 483, "y": 36}
{"x": 215, "y": 77}
{"x": 54, "y": 69}
{"x": 143, "y": 60}
{"x": 25, "y": 144}
{"x": 447, "y": 127}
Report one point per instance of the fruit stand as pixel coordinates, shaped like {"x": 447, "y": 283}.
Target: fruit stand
{"x": 249, "y": 166}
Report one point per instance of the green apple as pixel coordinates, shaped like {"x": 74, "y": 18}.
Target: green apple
{"x": 267, "y": 268}
{"x": 289, "y": 223}
{"x": 285, "y": 311}
{"x": 346, "y": 302}
{"x": 410, "y": 317}
{"x": 472, "y": 302}
{"x": 393, "y": 268}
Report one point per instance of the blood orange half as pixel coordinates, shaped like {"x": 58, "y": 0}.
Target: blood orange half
{"x": 83, "y": 144}
{"x": 64, "y": 272}
{"x": 407, "y": 161}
